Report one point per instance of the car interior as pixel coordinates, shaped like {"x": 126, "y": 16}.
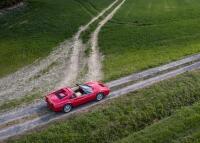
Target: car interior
{"x": 60, "y": 94}
{"x": 79, "y": 92}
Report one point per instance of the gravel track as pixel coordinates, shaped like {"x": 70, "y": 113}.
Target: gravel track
{"x": 72, "y": 70}
{"x": 51, "y": 116}
{"x": 94, "y": 62}
{"x": 151, "y": 81}
{"x": 153, "y": 71}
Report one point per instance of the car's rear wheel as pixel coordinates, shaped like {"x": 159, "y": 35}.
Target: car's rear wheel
{"x": 67, "y": 108}
{"x": 99, "y": 96}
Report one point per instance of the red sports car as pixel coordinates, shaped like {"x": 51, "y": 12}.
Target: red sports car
{"x": 67, "y": 98}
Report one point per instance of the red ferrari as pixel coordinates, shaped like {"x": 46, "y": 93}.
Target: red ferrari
{"x": 67, "y": 98}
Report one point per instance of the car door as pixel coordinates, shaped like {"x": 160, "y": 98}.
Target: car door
{"x": 82, "y": 99}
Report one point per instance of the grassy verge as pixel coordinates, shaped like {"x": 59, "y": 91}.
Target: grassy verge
{"x": 145, "y": 34}
{"x": 10, "y": 104}
{"x": 34, "y": 30}
{"x": 183, "y": 122}
{"x": 190, "y": 136}
{"x": 114, "y": 120}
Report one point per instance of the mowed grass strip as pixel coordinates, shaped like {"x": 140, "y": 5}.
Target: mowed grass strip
{"x": 147, "y": 33}
{"x": 34, "y": 30}
{"x": 183, "y": 126}
{"x": 120, "y": 117}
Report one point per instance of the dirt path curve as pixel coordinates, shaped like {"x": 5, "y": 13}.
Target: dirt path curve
{"x": 72, "y": 71}
{"x": 94, "y": 62}
{"x": 44, "y": 119}
{"x": 44, "y": 75}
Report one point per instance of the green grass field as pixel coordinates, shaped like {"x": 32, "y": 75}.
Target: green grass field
{"x": 131, "y": 114}
{"x": 35, "y": 29}
{"x": 146, "y": 33}
{"x": 183, "y": 126}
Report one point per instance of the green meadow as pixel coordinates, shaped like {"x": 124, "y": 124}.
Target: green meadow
{"x": 147, "y": 33}
{"x": 182, "y": 127}
{"x": 34, "y": 30}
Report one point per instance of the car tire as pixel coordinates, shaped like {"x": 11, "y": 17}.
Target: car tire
{"x": 99, "y": 97}
{"x": 67, "y": 108}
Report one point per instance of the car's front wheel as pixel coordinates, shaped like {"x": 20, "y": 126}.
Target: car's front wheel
{"x": 99, "y": 96}
{"x": 67, "y": 108}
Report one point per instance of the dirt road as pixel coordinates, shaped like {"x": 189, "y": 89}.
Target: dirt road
{"x": 94, "y": 62}
{"x": 44, "y": 116}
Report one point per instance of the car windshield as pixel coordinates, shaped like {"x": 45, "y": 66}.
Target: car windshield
{"x": 86, "y": 89}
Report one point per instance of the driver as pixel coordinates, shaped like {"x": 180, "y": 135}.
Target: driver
{"x": 78, "y": 94}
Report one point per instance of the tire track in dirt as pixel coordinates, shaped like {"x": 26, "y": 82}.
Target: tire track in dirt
{"x": 72, "y": 72}
{"x": 63, "y": 62}
{"x": 47, "y": 118}
{"x": 94, "y": 62}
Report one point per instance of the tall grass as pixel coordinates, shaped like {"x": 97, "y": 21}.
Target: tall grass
{"x": 123, "y": 116}
{"x": 183, "y": 126}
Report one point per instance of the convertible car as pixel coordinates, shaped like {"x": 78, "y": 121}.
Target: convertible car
{"x": 67, "y": 98}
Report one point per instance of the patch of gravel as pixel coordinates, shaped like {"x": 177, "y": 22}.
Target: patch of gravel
{"x": 34, "y": 76}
